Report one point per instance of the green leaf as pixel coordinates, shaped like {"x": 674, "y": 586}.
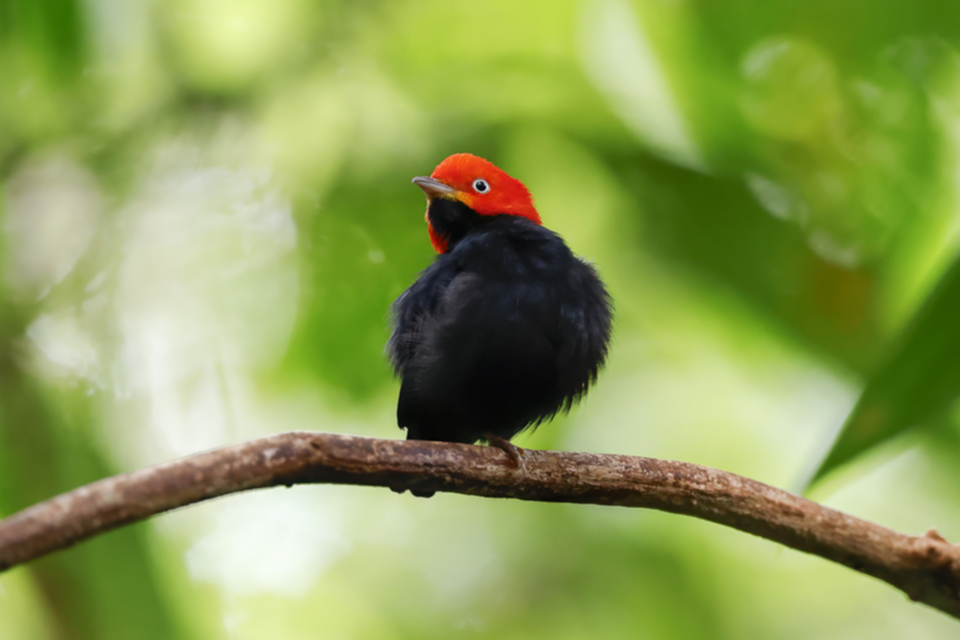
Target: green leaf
{"x": 918, "y": 381}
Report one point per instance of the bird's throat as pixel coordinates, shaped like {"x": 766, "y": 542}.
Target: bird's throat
{"x": 451, "y": 220}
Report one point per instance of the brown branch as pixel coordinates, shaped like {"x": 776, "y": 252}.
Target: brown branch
{"x": 926, "y": 568}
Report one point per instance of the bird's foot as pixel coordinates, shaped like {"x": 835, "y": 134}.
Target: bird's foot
{"x": 415, "y": 492}
{"x": 512, "y": 450}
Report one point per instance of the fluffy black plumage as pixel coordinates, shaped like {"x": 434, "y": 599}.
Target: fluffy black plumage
{"x": 504, "y": 330}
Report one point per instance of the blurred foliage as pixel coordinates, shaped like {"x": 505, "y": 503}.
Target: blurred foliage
{"x": 916, "y": 385}
{"x": 100, "y": 591}
{"x": 206, "y": 213}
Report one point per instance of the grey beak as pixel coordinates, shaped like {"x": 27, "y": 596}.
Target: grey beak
{"x": 433, "y": 188}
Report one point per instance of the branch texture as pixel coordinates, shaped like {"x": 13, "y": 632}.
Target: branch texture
{"x": 926, "y": 568}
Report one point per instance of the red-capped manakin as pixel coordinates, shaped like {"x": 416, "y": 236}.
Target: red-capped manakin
{"x": 507, "y": 327}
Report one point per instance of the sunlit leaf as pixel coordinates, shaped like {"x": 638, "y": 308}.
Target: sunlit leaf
{"x": 919, "y": 380}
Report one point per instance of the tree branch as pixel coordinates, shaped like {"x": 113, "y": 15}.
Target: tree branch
{"x": 926, "y": 568}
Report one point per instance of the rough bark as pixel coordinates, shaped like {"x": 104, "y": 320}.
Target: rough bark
{"x": 926, "y": 567}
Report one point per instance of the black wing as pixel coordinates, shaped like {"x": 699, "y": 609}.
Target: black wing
{"x": 486, "y": 363}
{"x": 413, "y": 308}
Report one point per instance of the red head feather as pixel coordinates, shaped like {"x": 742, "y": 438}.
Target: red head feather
{"x": 483, "y": 187}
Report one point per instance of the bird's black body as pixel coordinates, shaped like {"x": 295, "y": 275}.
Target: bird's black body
{"x": 504, "y": 330}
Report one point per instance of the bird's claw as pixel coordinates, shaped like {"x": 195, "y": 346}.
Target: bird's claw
{"x": 512, "y": 450}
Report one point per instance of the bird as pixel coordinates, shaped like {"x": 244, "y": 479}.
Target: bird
{"x": 506, "y": 328}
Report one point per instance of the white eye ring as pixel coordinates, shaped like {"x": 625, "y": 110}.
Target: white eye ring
{"x": 480, "y": 185}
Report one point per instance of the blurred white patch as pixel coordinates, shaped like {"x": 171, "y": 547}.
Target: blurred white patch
{"x": 778, "y": 200}
{"x": 196, "y": 290}
{"x": 206, "y": 291}
{"x": 623, "y": 64}
{"x": 129, "y": 61}
{"x": 831, "y": 250}
{"x": 275, "y": 542}
{"x": 63, "y": 341}
{"x": 53, "y": 208}
{"x": 784, "y": 203}
{"x": 227, "y": 43}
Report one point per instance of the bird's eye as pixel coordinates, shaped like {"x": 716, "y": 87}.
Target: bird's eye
{"x": 480, "y": 185}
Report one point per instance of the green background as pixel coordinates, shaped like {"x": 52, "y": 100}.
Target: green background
{"x": 206, "y": 211}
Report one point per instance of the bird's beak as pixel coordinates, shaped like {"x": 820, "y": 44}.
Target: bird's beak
{"x": 434, "y": 188}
